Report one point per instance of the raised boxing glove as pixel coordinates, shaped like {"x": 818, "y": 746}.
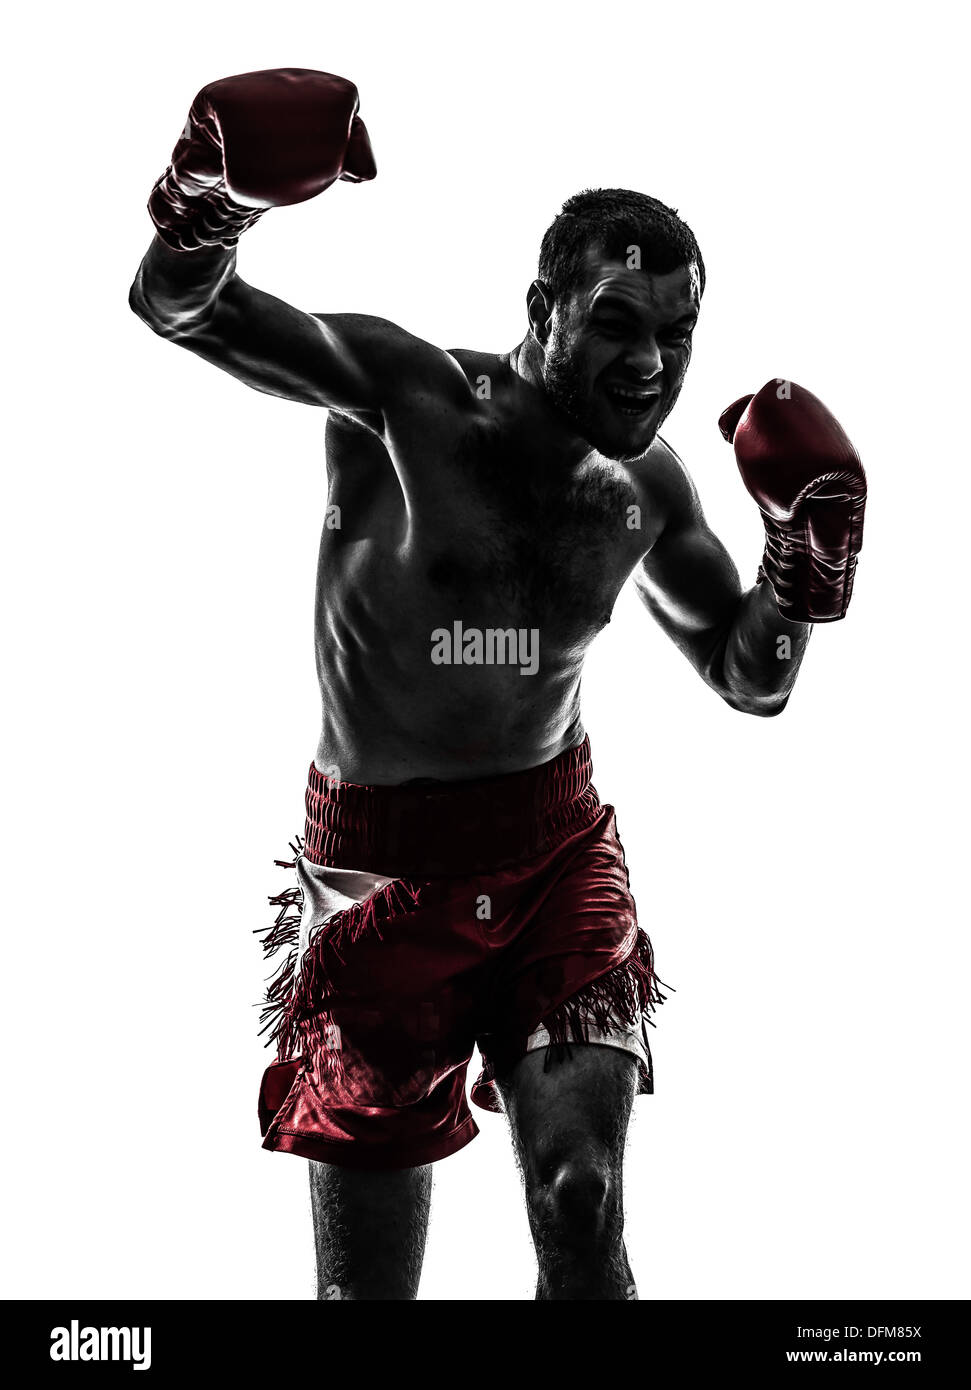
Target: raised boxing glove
{"x": 260, "y": 140}
{"x": 807, "y": 478}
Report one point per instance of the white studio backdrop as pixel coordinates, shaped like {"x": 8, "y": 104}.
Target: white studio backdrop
{"x": 801, "y": 878}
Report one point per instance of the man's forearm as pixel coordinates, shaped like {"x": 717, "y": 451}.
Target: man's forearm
{"x": 174, "y": 289}
{"x": 761, "y": 654}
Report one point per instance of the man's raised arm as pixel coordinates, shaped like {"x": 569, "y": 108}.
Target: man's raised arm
{"x": 253, "y": 142}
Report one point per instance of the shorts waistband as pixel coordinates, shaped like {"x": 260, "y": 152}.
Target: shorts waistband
{"x": 449, "y": 828}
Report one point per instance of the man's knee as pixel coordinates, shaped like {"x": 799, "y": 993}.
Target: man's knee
{"x": 575, "y": 1192}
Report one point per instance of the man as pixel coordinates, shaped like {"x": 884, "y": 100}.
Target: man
{"x": 460, "y": 882}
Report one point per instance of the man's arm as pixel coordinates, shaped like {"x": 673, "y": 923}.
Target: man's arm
{"x": 351, "y": 362}
{"x": 739, "y": 643}
{"x": 253, "y": 142}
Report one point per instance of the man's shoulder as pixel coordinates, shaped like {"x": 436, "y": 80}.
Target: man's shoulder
{"x": 662, "y": 460}
{"x": 412, "y": 373}
{"x": 666, "y": 485}
{"x": 486, "y": 372}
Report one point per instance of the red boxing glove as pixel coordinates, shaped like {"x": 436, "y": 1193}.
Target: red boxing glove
{"x": 261, "y": 140}
{"x": 808, "y": 480}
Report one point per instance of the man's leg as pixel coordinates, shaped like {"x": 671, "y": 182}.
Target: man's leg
{"x": 569, "y": 1127}
{"x": 369, "y": 1230}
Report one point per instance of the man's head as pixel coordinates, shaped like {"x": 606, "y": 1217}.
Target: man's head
{"x": 619, "y": 289}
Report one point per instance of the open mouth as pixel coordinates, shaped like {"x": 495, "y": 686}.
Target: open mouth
{"x": 627, "y": 400}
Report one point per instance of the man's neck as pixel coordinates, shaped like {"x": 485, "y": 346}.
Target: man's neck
{"x": 526, "y": 360}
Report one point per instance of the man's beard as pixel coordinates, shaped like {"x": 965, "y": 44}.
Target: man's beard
{"x": 566, "y": 386}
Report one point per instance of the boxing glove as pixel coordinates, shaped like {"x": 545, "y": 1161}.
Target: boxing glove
{"x": 260, "y": 140}
{"x": 809, "y": 483}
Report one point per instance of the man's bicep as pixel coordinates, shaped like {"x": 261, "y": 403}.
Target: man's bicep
{"x": 402, "y": 375}
{"x": 689, "y": 584}
{"x": 349, "y": 362}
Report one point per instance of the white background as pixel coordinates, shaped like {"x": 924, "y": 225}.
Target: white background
{"x": 801, "y": 878}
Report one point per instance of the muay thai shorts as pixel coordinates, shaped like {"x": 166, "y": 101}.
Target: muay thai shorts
{"x": 425, "y": 921}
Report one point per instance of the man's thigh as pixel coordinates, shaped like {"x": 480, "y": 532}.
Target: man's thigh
{"x": 570, "y": 1104}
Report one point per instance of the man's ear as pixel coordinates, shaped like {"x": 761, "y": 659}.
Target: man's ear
{"x": 539, "y": 308}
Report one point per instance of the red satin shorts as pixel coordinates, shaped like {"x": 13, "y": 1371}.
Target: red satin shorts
{"x": 500, "y": 917}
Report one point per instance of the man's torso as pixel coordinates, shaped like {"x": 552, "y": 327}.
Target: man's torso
{"x": 463, "y": 550}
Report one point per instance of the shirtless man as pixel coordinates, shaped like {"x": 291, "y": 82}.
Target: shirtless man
{"x": 460, "y": 883}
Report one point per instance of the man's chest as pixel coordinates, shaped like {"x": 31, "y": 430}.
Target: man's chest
{"x": 488, "y": 525}
{"x": 543, "y": 546}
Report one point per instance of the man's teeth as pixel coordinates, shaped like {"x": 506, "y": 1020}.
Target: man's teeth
{"x": 635, "y": 401}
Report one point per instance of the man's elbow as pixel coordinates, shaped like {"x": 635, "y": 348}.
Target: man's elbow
{"x": 763, "y": 706}
{"x": 165, "y": 327}
{"x": 740, "y": 695}
{"x": 138, "y": 304}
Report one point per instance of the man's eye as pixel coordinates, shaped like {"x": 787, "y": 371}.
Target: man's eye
{"x": 611, "y": 325}
{"x": 678, "y": 335}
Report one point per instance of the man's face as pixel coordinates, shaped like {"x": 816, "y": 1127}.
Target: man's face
{"x": 617, "y": 350}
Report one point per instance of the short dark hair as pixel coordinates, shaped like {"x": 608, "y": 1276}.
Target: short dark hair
{"x": 612, "y": 220}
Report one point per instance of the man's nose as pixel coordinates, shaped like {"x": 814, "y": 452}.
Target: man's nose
{"x": 644, "y": 358}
